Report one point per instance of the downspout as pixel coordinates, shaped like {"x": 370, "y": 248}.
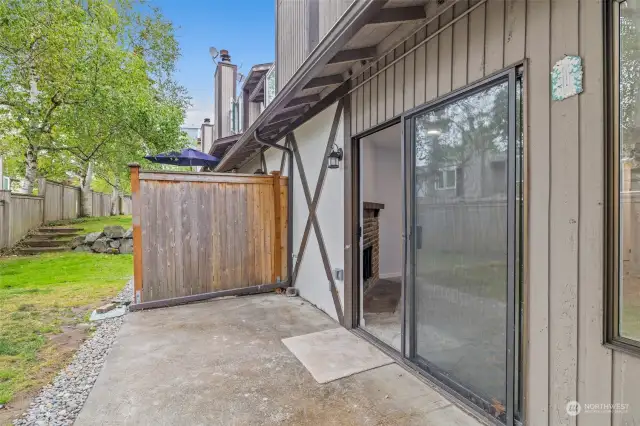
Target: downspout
{"x": 289, "y": 151}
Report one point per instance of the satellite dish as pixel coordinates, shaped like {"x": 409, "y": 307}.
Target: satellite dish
{"x": 213, "y": 52}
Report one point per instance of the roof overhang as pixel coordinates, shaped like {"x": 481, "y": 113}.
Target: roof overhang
{"x": 254, "y": 82}
{"x": 359, "y": 14}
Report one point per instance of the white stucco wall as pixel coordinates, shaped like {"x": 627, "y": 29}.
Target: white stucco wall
{"x": 312, "y": 282}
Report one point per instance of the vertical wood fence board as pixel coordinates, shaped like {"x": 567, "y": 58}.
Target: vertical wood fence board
{"x": 203, "y": 235}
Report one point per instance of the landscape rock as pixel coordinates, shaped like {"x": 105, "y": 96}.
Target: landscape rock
{"x": 60, "y": 402}
{"x": 92, "y": 237}
{"x": 77, "y": 241}
{"x": 126, "y": 246}
{"x": 83, "y": 248}
{"x": 115, "y": 231}
{"x": 101, "y": 245}
{"x": 129, "y": 233}
{"x": 115, "y": 244}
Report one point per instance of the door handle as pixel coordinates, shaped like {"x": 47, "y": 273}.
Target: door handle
{"x": 418, "y": 237}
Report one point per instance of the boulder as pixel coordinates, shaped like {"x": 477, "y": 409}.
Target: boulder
{"x": 101, "y": 245}
{"x": 92, "y": 237}
{"x": 126, "y": 246}
{"x": 77, "y": 241}
{"x": 83, "y": 248}
{"x": 129, "y": 233}
{"x": 114, "y": 232}
{"x": 114, "y": 244}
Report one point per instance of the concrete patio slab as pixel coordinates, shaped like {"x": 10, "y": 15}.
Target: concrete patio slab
{"x": 333, "y": 354}
{"x": 223, "y": 363}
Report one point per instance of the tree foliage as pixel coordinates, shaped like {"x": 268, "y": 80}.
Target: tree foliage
{"x": 86, "y": 85}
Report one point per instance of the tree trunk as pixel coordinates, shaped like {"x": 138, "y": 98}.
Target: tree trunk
{"x": 85, "y": 190}
{"x": 115, "y": 199}
{"x": 30, "y": 170}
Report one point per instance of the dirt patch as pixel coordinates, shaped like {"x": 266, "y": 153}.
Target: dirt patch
{"x": 64, "y": 344}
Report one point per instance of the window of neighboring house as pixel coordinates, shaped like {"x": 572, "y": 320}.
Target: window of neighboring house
{"x": 623, "y": 212}
{"x": 6, "y": 183}
{"x": 270, "y": 85}
{"x": 446, "y": 178}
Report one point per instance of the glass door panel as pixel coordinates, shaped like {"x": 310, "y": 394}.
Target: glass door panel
{"x": 460, "y": 255}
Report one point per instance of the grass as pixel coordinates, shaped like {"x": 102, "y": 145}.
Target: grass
{"x": 95, "y": 224}
{"x": 483, "y": 276}
{"x": 41, "y": 294}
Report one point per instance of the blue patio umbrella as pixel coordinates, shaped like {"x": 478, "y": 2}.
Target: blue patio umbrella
{"x": 188, "y": 157}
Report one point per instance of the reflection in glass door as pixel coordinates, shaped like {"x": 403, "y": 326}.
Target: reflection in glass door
{"x": 461, "y": 274}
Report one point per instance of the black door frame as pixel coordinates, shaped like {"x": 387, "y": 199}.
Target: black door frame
{"x": 406, "y": 357}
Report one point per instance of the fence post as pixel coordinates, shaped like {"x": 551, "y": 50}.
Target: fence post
{"x": 134, "y": 169}
{"x": 5, "y": 218}
{"x": 276, "y": 274}
{"x": 42, "y": 191}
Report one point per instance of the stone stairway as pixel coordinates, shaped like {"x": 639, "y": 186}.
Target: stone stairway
{"x": 49, "y": 239}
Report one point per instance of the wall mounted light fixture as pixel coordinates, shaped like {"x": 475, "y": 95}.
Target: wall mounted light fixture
{"x": 335, "y": 156}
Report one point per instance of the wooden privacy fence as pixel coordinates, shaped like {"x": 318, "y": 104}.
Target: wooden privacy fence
{"x": 471, "y": 227}
{"x": 203, "y": 233}
{"x": 20, "y": 213}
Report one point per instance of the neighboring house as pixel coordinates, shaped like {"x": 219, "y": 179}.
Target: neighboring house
{"x": 548, "y": 317}
{"x": 235, "y": 110}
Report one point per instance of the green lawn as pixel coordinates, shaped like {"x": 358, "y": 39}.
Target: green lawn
{"x": 95, "y": 224}
{"x": 483, "y": 276}
{"x": 39, "y": 295}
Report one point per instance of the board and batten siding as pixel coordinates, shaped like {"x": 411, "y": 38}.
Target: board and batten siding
{"x": 300, "y": 25}
{"x": 565, "y": 176}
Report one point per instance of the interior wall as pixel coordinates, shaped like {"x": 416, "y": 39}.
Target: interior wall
{"x": 382, "y": 183}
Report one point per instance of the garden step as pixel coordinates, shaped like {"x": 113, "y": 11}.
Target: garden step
{"x": 45, "y": 242}
{"x": 51, "y": 235}
{"x": 59, "y": 230}
{"x": 38, "y": 250}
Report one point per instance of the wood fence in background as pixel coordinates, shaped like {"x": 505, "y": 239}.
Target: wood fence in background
{"x": 20, "y": 213}
{"x": 200, "y": 234}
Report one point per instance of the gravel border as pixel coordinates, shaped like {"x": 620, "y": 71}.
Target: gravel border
{"x": 59, "y": 403}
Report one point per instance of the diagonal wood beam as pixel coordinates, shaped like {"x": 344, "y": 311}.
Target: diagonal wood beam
{"x": 353, "y": 55}
{"x": 399, "y": 14}
{"x": 303, "y": 100}
{"x": 326, "y": 80}
{"x": 312, "y": 204}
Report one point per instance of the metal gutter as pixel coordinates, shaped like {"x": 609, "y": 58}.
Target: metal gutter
{"x": 289, "y": 203}
{"x": 356, "y": 16}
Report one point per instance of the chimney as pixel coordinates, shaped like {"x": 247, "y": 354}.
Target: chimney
{"x": 225, "y": 94}
{"x": 206, "y": 135}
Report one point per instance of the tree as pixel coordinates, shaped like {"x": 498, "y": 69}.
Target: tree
{"x": 118, "y": 99}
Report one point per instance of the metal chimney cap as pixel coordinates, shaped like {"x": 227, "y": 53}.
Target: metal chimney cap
{"x": 224, "y": 55}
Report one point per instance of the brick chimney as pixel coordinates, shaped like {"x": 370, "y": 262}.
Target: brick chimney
{"x": 225, "y": 92}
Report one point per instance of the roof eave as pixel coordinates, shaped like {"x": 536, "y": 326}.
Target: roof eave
{"x": 356, "y": 16}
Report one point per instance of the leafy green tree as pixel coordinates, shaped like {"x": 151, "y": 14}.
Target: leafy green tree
{"x": 82, "y": 83}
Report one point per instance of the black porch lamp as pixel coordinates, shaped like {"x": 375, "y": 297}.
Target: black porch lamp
{"x": 335, "y": 156}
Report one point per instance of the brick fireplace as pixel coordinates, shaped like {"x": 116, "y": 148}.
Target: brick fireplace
{"x": 371, "y": 243}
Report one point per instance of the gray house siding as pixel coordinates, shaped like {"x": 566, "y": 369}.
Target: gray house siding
{"x": 300, "y": 25}
{"x": 566, "y": 359}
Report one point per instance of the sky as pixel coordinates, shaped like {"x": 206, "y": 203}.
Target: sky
{"x": 244, "y": 27}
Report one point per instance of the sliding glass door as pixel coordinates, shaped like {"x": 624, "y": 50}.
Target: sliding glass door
{"x": 461, "y": 277}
